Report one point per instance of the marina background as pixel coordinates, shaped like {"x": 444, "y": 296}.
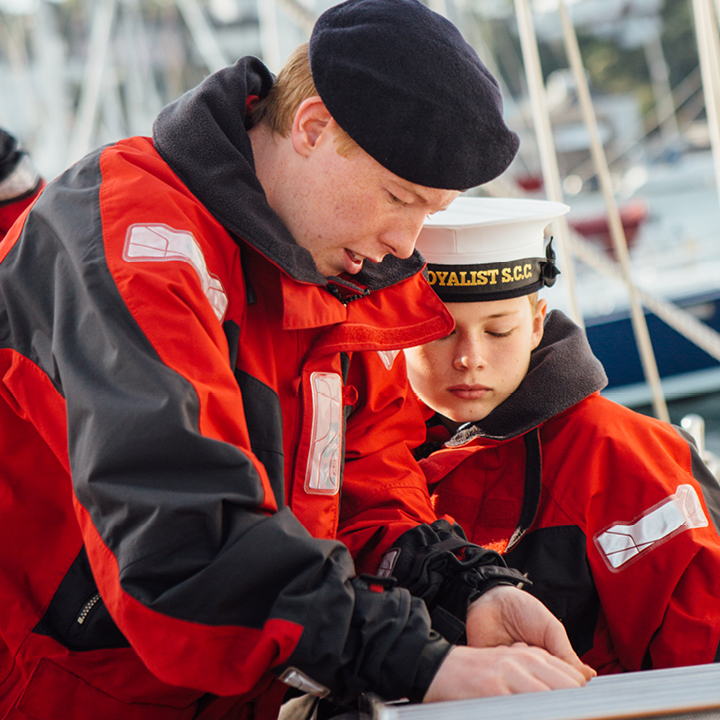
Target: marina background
{"x": 76, "y": 74}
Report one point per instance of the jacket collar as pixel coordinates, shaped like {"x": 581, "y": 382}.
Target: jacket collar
{"x": 406, "y": 314}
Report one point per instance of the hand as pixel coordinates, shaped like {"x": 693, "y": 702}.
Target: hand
{"x": 505, "y": 615}
{"x": 469, "y": 672}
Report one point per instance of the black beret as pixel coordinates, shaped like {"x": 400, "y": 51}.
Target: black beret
{"x": 405, "y": 85}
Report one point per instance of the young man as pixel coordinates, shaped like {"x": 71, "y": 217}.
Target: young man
{"x": 200, "y": 336}
{"x": 611, "y": 514}
{"x": 20, "y": 182}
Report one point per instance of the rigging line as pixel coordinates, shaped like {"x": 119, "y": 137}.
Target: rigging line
{"x": 617, "y": 232}
{"x": 304, "y": 18}
{"x": 678, "y": 319}
{"x": 688, "y": 87}
{"x": 546, "y": 147}
{"x": 202, "y": 34}
{"x": 93, "y": 80}
{"x": 706, "y": 30}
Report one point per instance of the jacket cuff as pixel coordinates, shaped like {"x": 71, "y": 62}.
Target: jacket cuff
{"x": 492, "y": 577}
{"x": 431, "y": 658}
{"x": 438, "y": 564}
{"x": 387, "y": 647}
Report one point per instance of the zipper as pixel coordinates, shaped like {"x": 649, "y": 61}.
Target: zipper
{"x": 87, "y": 607}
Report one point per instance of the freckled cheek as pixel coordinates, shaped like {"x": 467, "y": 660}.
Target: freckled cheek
{"x": 350, "y": 211}
{"x": 516, "y": 366}
{"x": 512, "y": 355}
{"x": 438, "y": 368}
{"x": 421, "y": 369}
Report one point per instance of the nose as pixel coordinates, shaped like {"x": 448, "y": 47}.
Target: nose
{"x": 469, "y": 354}
{"x": 400, "y": 240}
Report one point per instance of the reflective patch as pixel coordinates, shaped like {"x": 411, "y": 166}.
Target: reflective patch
{"x": 297, "y": 679}
{"x": 323, "y": 470}
{"x": 388, "y": 357}
{"x": 388, "y": 563}
{"x": 161, "y": 243}
{"x": 623, "y": 542}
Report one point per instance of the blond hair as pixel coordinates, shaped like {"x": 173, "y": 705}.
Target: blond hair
{"x": 293, "y": 85}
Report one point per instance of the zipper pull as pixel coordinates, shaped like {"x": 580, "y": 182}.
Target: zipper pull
{"x": 87, "y": 607}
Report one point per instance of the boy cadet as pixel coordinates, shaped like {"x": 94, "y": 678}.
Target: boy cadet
{"x": 199, "y": 336}
{"x": 610, "y": 513}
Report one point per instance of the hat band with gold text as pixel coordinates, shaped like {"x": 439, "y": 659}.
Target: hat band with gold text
{"x": 491, "y": 281}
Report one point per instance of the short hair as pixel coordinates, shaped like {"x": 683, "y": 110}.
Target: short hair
{"x": 533, "y": 298}
{"x": 293, "y": 85}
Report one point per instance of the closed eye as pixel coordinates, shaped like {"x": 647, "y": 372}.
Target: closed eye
{"x": 395, "y": 199}
{"x": 500, "y": 334}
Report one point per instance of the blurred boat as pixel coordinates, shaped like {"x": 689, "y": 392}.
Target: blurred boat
{"x": 596, "y": 228}
{"x": 675, "y": 256}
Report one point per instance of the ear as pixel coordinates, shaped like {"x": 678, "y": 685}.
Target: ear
{"x": 538, "y": 322}
{"x": 311, "y": 120}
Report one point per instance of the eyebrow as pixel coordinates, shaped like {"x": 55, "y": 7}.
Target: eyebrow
{"x": 495, "y": 316}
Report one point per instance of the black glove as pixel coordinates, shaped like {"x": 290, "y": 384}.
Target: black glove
{"x": 437, "y": 564}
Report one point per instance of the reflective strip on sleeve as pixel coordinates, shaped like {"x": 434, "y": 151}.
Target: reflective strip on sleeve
{"x": 322, "y": 476}
{"x": 622, "y": 542}
{"x": 387, "y": 565}
{"x": 293, "y": 677}
{"x": 163, "y": 243}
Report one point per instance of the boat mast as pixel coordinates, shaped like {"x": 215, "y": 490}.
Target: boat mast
{"x": 706, "y": 29}
{"x": 617, "y": 232}
{"x": 546, "y": 147}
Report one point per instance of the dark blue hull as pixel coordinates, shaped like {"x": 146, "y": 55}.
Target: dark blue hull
{"x": 613, "y": 342}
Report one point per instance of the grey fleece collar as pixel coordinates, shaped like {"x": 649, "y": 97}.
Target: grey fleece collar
{"x": 563, "y": 371}
{"x": 203, "y": 138}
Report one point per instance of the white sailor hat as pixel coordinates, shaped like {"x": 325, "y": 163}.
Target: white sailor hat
{"x": 489, "y": 248}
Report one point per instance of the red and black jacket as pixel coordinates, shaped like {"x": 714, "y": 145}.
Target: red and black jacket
{"x": 183, "y": 405}
{"x": 610, "y": 513}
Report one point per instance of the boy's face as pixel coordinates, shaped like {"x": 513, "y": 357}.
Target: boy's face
{"x": 467, "y": 374}
{"x": 345, "y": 209}
{"x": 356, "y": 210}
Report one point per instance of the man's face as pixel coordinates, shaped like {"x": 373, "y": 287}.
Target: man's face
{"x": 467, "y": 374}
{"x": 346, "y": 210}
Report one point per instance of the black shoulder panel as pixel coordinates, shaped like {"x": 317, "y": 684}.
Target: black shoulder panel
{"x": 555, "y": 560}
{"x": 263, "y": 416}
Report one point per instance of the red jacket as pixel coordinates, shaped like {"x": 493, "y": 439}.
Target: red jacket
{"x": 180, "y": 396}
{"x": 612, "y": 514}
